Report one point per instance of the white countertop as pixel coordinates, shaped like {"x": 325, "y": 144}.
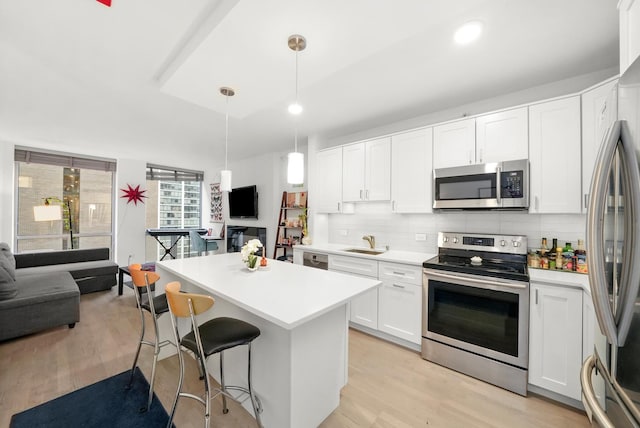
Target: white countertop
{"x": 392, "y": 256}
{"x": 286, "y": 294}
{"x": 558, "y": 277}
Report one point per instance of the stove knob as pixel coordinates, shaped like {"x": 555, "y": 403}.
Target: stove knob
{"x": 516, "y": 243}
{"x": 455, "y": 240}
{"x": 445, "y": 239}
{"x": 503, "y": 243}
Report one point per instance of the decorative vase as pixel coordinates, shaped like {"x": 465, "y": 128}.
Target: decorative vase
{"x": 252, "y": 269}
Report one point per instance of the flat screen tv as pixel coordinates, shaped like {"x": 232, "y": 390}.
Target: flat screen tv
{"x": 243, "y": 202}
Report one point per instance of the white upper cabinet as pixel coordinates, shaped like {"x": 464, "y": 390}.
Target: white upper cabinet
{"x": 411, "y": 172}
{"x": 366, "y": 171}
{"x": 629, "y": 32}
{"x": 554, "y": 156}
{"x": 329, "y": 174}
{"x": 454, "y": 144}
{"x": 502, "y": 136}
{"x": 599, "y": 111}
{"x": 493, "y": 137}
{"x": 353, "y": 172}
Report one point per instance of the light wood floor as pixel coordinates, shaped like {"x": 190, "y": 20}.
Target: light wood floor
{"x": 389, "y": 386}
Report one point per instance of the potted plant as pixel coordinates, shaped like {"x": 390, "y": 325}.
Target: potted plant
{"x": 306, "y": 240}
{"x": 248, "y": 253}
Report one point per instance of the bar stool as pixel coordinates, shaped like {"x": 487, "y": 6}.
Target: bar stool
{"x": 212, "y": 337}
{"x": 156, "y": 306}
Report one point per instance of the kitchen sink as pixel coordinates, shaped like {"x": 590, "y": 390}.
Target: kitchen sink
{"x": 364, "y": 251}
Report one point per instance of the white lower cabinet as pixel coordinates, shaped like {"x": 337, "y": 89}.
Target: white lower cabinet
{"x": 593, "y": 339}
{"x": 400, "y": 301}
{"x": 364, "y": 308}
{"x": 555, "y": 338}
{"x": 394, "y": 308}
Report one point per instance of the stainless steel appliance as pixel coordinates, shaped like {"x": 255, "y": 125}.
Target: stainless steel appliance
{"x": 502, "y": 185}
{"x": 476, "y": 308}
{"x": 611, "y": 392}
{"x": 315, "y": 260}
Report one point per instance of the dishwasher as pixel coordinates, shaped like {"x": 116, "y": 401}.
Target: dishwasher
{"x": 315, "y": 260}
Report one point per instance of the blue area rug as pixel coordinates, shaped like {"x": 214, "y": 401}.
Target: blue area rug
{"x": 104, "y": 404}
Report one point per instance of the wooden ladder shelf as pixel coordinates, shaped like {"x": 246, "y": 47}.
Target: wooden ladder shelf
{"x": 290, "y": 225}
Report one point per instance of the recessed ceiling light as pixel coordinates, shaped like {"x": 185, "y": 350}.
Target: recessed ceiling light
{"x": 468, "y": 32}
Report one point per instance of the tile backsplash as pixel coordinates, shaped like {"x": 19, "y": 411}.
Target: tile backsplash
{"x": 399, "y": 230}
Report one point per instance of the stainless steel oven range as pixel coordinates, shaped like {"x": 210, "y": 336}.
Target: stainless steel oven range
{"x": 475, "y": 317}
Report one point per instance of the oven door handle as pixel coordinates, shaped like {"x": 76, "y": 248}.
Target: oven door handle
{"x": 477, "y": 281}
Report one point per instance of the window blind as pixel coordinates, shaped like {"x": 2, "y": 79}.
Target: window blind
{"x": 165, "y": 173}
{"x": 61, "y": 159}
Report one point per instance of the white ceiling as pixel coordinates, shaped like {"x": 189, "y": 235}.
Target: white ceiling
{"x": 146, "y": 73}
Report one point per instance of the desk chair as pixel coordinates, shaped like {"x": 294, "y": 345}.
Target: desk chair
{"x": 156, "y": 306}
{"x": 210, "y": 338}
{"x": 199, "y": 244}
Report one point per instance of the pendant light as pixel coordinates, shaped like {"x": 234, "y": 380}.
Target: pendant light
{"x": 225, "y": 174}
{"x": 295, "y": 161}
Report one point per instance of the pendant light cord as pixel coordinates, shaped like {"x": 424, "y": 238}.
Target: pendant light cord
{"x": 226, "y": 132}
{"x": 296, "y": 76}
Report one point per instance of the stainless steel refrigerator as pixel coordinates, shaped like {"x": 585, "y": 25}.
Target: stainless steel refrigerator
{"x": 611, "y": 376}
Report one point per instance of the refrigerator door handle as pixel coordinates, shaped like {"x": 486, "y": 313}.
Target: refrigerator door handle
{"x": 588, "y": 395}
{"x": 630, "y": 279}
{"x": 595, "y": 234}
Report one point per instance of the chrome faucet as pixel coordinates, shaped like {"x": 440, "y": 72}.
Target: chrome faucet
{"x": 371, "y": 240}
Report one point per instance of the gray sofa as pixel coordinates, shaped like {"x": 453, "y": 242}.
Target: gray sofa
{"x": 91, "y": 268}
{"x": 39, "y": 291}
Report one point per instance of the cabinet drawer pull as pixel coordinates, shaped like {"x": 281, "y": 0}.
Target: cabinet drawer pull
{"x": 398, "y": 286}
{"x": 536, "y": 296}
{"x": 360, "y": 194}
{"x": 399, "y": 273}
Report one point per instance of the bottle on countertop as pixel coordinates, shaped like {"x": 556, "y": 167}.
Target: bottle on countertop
{"x": 568, "y": 256}
{"x": 544, "y": 248}
{"x": 559, "y": 263}
{"x": 552, "y": 254}
{"x": 581, "y": 258}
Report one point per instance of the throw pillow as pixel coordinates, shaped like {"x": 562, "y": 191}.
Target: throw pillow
{"x": 8, "y": 287}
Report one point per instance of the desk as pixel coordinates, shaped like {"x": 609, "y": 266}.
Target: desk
{"x": 210, "y": 242}
{"x": 300, "y": 359}
{"x": 124, "y": 270}
{"x": 174, "y": 233}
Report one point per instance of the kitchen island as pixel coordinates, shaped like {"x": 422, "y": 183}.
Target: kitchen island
{"x": 300, "y": 360}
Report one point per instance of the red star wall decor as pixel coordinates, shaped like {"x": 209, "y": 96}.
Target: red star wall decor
{"x": 133, "y": 194}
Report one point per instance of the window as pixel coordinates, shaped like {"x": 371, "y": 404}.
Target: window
{"x": 81, "y": 187}
{"x": 174, "y": 200}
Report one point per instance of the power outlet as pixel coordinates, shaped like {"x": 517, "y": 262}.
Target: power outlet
{"x": 421, "y": 236}
{"x": 343, "y": 232}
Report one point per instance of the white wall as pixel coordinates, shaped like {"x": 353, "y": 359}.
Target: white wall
{"x": 7, "y": 208}
{"x": 269, "y": 173}
{"x": 399, "y": 230}
{"x": 550, "y": 90}
{"x": 130, "y": 218}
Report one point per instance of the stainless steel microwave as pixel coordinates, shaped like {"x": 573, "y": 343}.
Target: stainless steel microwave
{"x": 501, "y": 185}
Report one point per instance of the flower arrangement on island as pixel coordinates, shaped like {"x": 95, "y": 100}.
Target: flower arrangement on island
{"x": 248, "y": 253}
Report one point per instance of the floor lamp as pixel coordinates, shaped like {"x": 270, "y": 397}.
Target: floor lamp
{"x": 48, "y": 212}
